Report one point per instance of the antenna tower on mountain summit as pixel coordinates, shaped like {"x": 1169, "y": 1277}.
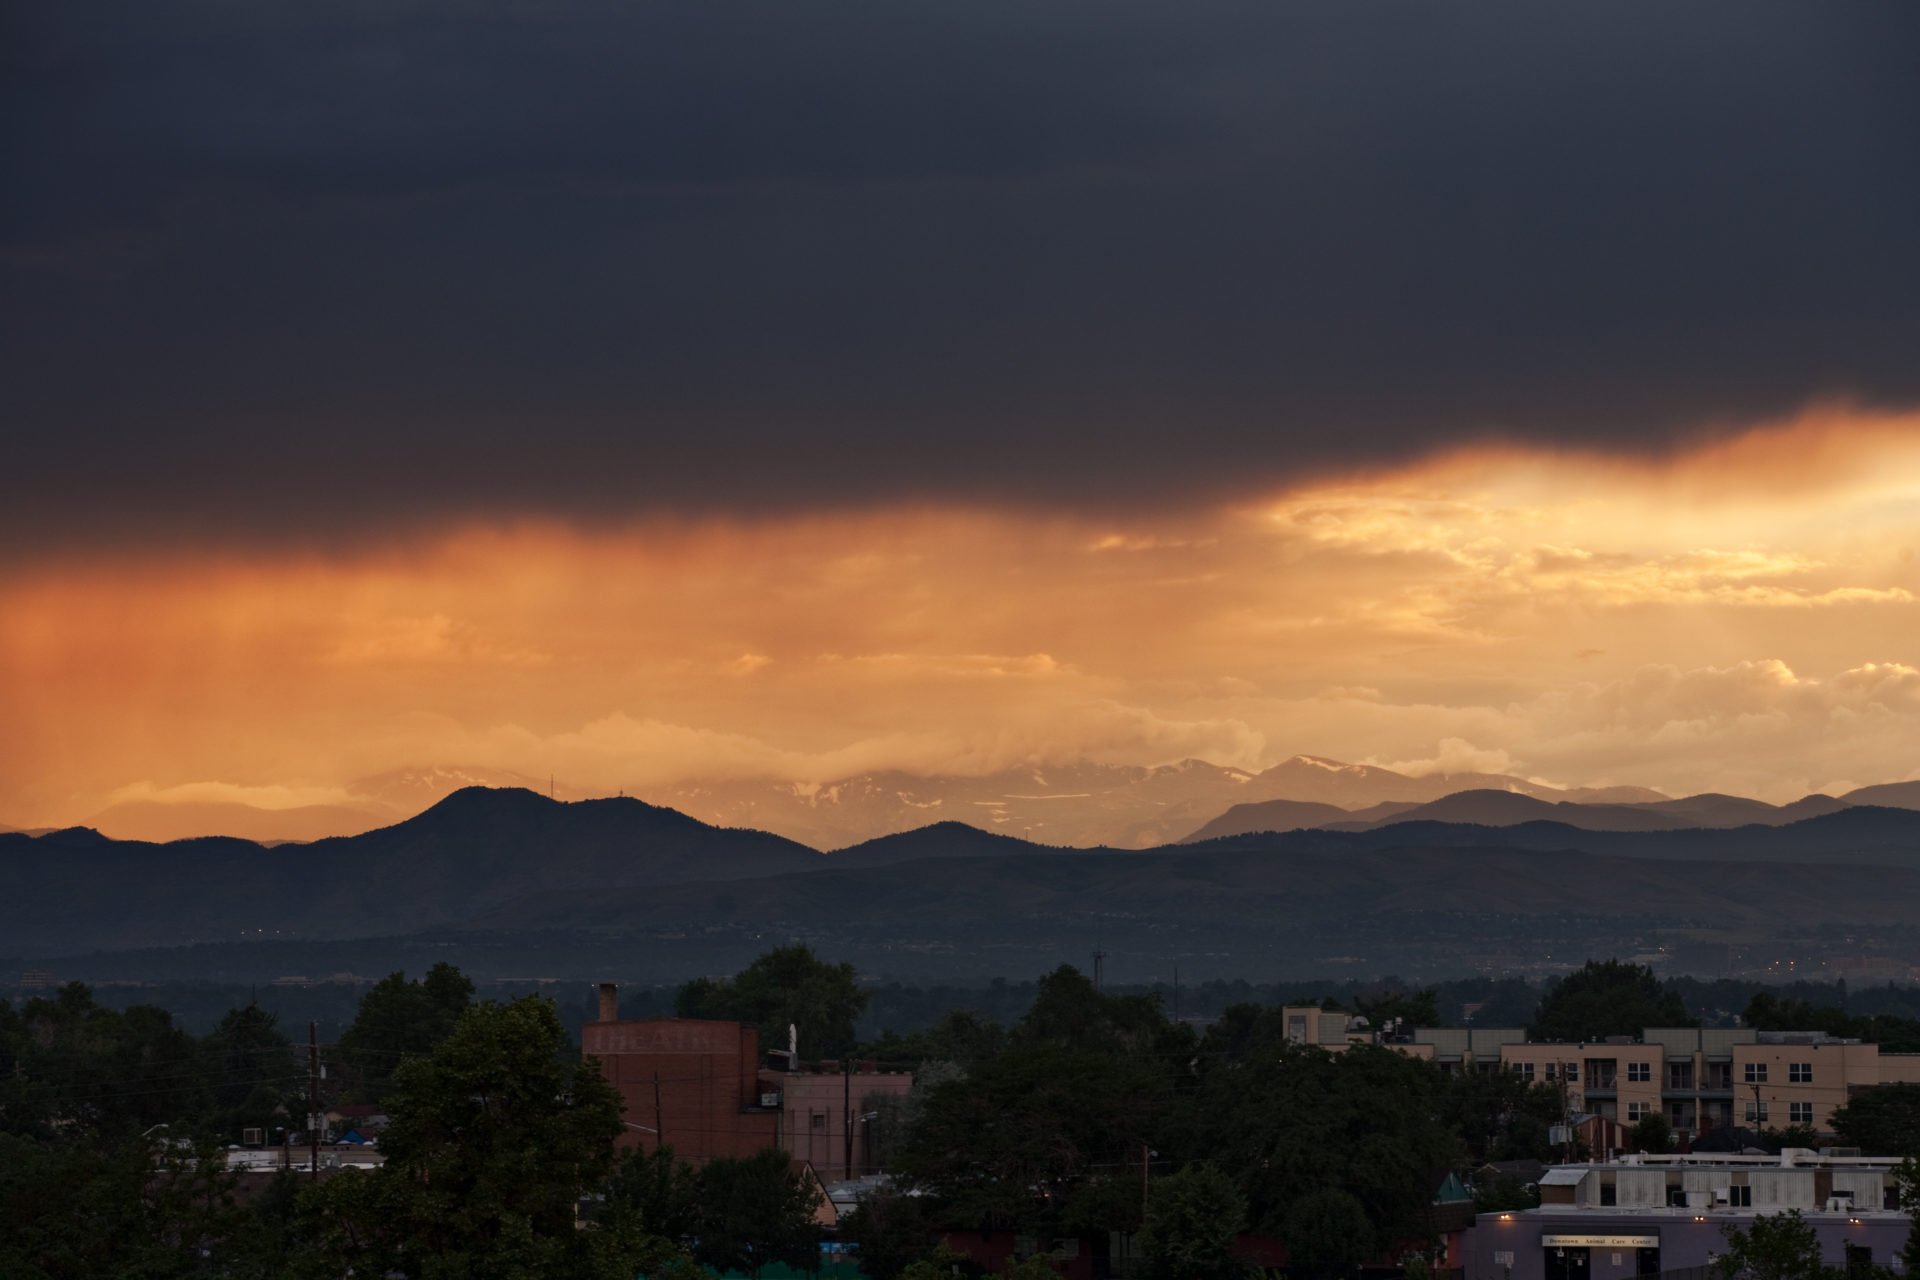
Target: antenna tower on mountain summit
{"x": 1099, "y": 967}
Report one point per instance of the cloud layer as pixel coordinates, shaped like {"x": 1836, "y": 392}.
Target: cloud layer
{"x": 1553, "y": 615}
{"x": 332, "y": 275}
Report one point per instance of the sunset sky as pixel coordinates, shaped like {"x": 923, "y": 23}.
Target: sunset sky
{"x": 636, "y": 393}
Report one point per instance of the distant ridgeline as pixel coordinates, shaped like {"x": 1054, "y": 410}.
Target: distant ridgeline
{"x": 517, "y": 884}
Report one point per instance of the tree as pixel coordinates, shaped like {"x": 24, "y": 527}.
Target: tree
{"x": 143, "y": 1208}
{"x": 1774, "y": 1141}
{"x": 1906, "y": 1181}
{"x": 941, "y": 1266}
{"x": 1882, "y": 1121}
{"x": 1769, "y": 1012}
{"x": 756, "y": 1210}
{"x": 1781, "y": 1246}
{"x": 1022, "y": 1139}
{"x": 1501, "y": 1115}
{"x": 1419, "y": 1008}
{"x": 1291, "y": 1122}
{"x": 1069, "y": 1012}
{"x": 786, "y": 986}
{"x": 254, "y": 1078}
{"x": 658, "y": 1190}
{"x": 1508, "y": 1191}
{"x": 891, "y": 1231}
{"x": 1652, "y": 1134}
{"x": 397, "y": 1019}
{"x": 491, "y": 1143}
{"x": 1194, "y": 1218}
{"x": 1606, "y": 998}
{"x": 962, "y": 1037}
{"x": 1328, "y": 1232}
{"x": 86, "y": 1072}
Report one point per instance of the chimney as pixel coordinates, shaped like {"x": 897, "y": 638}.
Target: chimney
{"x": 609, "y": 1002}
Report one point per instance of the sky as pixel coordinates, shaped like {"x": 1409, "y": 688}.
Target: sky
{"x": 636, "y": 393}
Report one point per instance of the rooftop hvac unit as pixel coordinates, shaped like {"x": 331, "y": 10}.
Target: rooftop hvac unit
{"x": 253, "y": 1138}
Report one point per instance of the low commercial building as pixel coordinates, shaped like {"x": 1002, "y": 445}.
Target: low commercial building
{"x": 1331, "y": 1029}
{"x": 1648, "y": 1215}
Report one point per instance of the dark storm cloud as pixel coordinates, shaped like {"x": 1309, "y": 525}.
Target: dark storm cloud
{"x": 322, "y": 270}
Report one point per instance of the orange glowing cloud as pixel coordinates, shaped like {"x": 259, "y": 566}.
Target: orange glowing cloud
{"x": 1739, "y": 617}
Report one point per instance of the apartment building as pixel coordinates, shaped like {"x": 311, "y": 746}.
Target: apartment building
{"x": 1645, "y": 1215}
{"x": 1699, "y": 1078}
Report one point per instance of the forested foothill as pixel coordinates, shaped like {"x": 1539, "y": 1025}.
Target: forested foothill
{"x": 1059, "y": 1111}
{"x": 1885, "y": 1013}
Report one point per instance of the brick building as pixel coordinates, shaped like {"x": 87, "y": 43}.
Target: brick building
{"x": 706, "y": 1089}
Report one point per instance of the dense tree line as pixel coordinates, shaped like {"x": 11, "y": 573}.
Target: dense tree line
{"x": 115, "y": 1127}
{"x": 1091, "y": 1111}
{"x": 1096, "y": 1112}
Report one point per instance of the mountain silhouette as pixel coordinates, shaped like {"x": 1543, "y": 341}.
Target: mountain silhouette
{"x": 1892, "y": 795}
{"x": 515, "y": 860}
{"x": 1235, "y": 890}
{"x": 479, "y": 846}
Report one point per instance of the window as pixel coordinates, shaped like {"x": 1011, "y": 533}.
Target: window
{"x": 1636, "y": 1111}
{"x": 1525, "y": 1069}
{"x": 1800, "y": 1113}
{"x": 1756, "y": 1111}
{"x": 1740, "y": 1197}
{"x": 1639, "y": 1072}
{"x": 1800, "y": 1072}
{"x": 1573, "y": 1071}
{"x": 1609, "y": 1194}
{"x": 1680, "y": 1075}
{"x": 1756, "y": 1073}
{"x": 1297, "y": 1028}
{"x": 819, "y": 1119}
{"x": 1551, "y": 1067}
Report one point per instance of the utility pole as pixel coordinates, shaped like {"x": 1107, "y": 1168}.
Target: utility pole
{"x": 313, "y": 1101}
{"x": 1146, "y": 1157}
{"x": 1099, "y": 967}
{"x": 846, "y": 1115}
{"x": 659, "y": 1125}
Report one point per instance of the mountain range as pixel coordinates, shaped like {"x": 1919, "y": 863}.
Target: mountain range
{"x": 476, "y": 848}
{"x": 1490, "y": 808}
{"x": 1086, "y": 804}
{"x": 1081, "y": 805}
{"x": 490, "y": 863}
{"x": 364, "y": 804}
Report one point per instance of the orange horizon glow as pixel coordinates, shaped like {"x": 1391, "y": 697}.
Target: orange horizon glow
{"x": 1738, "y": 617}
